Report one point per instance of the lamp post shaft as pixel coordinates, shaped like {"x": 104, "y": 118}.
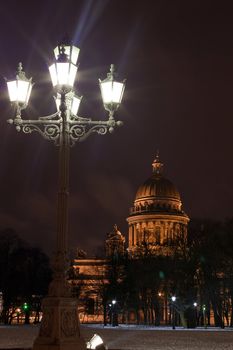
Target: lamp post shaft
{"x": 60, "y": 328}
{"x": 173, "y": 316}
{"x": 63, "y": 181}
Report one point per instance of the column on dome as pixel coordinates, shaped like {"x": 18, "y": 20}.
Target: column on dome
{"x": 135, "y": 235}
{"x": 169, "y": 233}
{"x": 179, "y": 230}
{"x": 172, "y": 232}
{"x": 163, "y": 233}
{"x": 153, "y": 231}
{"x": 130, "y": 235}
{"x": 144, "y": 232}
{"x": 148, "y": 229}
{"x": 138, "y": 233}
{"x": 175, "y": 236}
{"x": 157, "y": 233}
{"x": 185, "y": 232}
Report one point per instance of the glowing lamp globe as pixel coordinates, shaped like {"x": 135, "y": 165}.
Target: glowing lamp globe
{"x": 111, "y": 91}
{"x": 75, "y": 103}
{"x": 96, "y": 342}
{"x": 72, "y": 102}
{"x": 63, "y": 71}
{"x": 20, "y": 89}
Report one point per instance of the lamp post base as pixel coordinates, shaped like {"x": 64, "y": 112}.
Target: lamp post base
{"x": 60, "y": 328}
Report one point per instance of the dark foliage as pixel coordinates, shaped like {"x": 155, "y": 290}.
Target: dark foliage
{"x": 24, "y": 274}
{"x": 200, "y": 270}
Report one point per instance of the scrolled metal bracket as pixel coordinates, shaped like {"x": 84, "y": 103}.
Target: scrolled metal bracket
{"x": 49, "y": 126}
{"x": 82, "y": 128}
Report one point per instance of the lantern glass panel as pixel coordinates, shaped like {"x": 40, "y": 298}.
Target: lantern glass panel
{"x": 53, "y": 74}
{"x": 29, "y": 92}
{"x": 106, "y": 91}
{"x": 56, "y": 52}
{"x": 74, "y": 54}
{"x": 72, "y": 74}
{"x": 117, "y": 92}
{"x": 12, "y": 90}
{"x": 58, "y": 101}
{"x": 62, "y": 73}
{"x": 75, "y": 105}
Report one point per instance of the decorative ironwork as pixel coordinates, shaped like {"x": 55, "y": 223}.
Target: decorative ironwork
{"x": 50, "y": 127}
{"x": 79, "y": 132}
{"x": 49, "y": 132}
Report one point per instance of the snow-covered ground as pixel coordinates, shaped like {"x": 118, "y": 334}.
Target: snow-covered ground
{"x": 131, "y": 337}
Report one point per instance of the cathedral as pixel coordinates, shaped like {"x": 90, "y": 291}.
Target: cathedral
{"x": 156, "y": 218}
{"x": 156, "y": 222}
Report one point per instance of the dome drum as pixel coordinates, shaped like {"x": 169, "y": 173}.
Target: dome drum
{"x": 161, "y": 205}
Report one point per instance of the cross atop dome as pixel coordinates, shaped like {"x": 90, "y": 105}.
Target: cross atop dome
{"x": 157, "y": 165}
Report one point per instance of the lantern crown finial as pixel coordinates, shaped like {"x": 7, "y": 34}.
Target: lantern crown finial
{"x": 20, "y": 74}
{"x": 20, "y": 67}
{"x": 112, "y": 72}
{"x": 64, "y": 48}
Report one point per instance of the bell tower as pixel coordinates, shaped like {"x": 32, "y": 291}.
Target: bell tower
{"x": 115, "y": 243}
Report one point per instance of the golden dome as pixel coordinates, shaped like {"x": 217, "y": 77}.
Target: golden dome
{"x": 157, "y": 188}
{"x": 157, "y": 192}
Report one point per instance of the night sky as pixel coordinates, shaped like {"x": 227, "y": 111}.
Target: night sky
{"x": 177, "y": 57}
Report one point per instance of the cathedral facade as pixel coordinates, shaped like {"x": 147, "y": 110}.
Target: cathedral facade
{"x": 156, "y": 222}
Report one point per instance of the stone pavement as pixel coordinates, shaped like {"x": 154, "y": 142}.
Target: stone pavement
{"x": 130, "y": 338}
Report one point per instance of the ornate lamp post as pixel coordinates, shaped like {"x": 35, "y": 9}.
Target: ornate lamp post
{"x": 60, "y": 322}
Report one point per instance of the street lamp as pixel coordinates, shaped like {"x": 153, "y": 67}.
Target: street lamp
{"x": 114, "y": 313}
{"x": 204, "y": 315}
{"x": 173, "y": 311}
{"x": 195, "y": 313}
{"x": 60, "y": 323}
